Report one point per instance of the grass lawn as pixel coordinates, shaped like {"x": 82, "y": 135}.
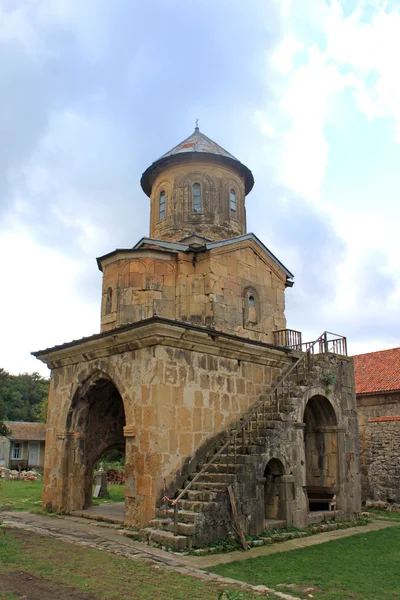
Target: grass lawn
{"x": 49, "y": 568}
{"x": 361, "y": 567}
{"x": 27, "y": 495}
{"x": 385, "y": 515}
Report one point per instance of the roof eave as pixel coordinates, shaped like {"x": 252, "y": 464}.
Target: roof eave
{"x": 149, "y": 175}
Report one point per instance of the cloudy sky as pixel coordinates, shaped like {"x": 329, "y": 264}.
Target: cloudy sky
{"x": 304, "y": 92}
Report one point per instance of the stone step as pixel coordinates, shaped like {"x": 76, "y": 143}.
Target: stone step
{"x": 185, "y": 516}
{"x": 249, "y": 449}
{"x": 240, "y": 458}
{"x": 164, "y": 538}
{"x": 230, "y": 468}
{"x": 215, "y": 477}
{"x": 202, "y": 495}
{"x": 194, "y": 506}
{"x": 208, "y": 485}
{"x": 167, "y": 524}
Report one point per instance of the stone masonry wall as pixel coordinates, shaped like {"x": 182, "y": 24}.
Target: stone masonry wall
{"x": 370, "y": 407}
{"x": 214, "y": 220}
{"x": 381, "y": 480}
{"x": 211, "y": 288}
{"x": 174, "y": 400}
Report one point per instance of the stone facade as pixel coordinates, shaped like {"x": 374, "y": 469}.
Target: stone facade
{"x": 379, "y": 453}
{"x": 212, "y": 287}
{"x": 186, "y": 376}
{"x": 381, "y": 458}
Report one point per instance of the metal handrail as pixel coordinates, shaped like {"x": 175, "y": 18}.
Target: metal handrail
{"x": 322, "y": 340}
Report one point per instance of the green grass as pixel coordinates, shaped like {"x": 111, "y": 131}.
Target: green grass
{"x": 361, "y": 567}
{"x": 21, "y": 495}
{"x": 27, "y": 495}
{"x": 105, "y": 576}
{"x": 116, "y": 494}
{"x": 385, "y": 515}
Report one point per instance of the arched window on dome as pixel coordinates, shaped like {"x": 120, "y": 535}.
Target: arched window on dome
{"x": 108, "y": 301}
{"x": 232, "y": 204}
{"x": 162, "y": 205}
{"x": 196, "y": 198}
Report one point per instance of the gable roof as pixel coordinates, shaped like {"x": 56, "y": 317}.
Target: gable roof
{"x": 210, "y": 245}
{"x": 21, "y": 430}
{"x": 377, "y": 371}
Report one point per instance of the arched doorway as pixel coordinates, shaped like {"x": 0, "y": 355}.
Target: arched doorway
{"x": 321, "y": 453}
{"x": 274, "y": 492}
{"x": 95, "y": 425}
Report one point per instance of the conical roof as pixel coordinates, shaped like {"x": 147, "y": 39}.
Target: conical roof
{"x": 196, "y": 143}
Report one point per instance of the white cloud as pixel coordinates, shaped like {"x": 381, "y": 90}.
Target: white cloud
{"x": 39, "y": 304}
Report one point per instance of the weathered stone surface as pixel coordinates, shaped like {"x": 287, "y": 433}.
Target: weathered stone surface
{"x": 185, "y": 354}
{"x": 379, "y": 481}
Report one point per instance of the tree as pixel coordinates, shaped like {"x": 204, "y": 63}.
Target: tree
{"x": 23, "y": 397}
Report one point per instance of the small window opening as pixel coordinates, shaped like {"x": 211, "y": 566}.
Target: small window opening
{"x": 109, "y": 301}
{"x": 252, "y": 301}
{"x": 196, "y": 197}
{"x": 162, "y": 205}
{"x": 232, "y": 203}
{"x": 16, "y": 452}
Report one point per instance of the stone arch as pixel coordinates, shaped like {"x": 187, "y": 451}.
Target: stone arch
{"x": 274, "y": 492}
{"x": 94, "y": 423}
{"x": 321, "y": 446}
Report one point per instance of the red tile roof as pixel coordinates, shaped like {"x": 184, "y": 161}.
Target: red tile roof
{"x": 377, "y": 371}
{"x": 380, "y": 419}
{"x": 26, "y": 431}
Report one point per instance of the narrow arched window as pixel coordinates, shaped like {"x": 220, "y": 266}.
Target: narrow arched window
{"x": 161, "y": 205}
{"x": 232, "y": 203}
{"x": 108, "y": 301}
{"x": 196, "y": 198}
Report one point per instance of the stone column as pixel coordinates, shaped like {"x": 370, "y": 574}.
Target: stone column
{"x": 287, "y": 488}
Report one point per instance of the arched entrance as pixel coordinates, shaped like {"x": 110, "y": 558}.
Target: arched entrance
{"x": 321, "y": 453}
{"x": 274, "y": 491}
{"x": 95, "y": 425}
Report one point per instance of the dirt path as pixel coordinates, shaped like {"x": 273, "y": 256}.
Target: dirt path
{"x": 25, "y": 585}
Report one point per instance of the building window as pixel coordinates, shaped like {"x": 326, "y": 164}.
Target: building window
{"x": 251, "y": 308}
{"x": 162, "y": 205}
{"x": 232, "y": 203}
{"x": 3, "y": 451}
{"x": 109, "y": 301}
{"x": 196, "y": 198}
{"x": 16, "y": 451}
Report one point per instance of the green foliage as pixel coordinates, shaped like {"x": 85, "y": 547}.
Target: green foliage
{"x": 329, "y": 379}
{"x": 23, "y": 397}
{"x": 112, "y": 459}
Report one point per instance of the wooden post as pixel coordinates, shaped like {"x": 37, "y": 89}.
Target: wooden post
{"x": 176, "y": 518}
{"x": 236, "y": 517}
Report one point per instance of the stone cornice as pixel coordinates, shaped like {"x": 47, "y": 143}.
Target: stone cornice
{"x": 159, "y": 331}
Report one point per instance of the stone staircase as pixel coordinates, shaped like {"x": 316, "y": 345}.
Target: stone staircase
{"x": 238, "y": 452}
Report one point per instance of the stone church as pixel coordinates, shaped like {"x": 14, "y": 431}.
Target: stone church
{"x": 195, "y": 376}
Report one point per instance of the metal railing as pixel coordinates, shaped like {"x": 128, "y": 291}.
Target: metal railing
{"x": 257, "y": 417}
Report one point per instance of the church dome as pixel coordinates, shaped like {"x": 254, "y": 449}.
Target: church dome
{"x": 197, "y": 188}
{"x": 196, "y": 143}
